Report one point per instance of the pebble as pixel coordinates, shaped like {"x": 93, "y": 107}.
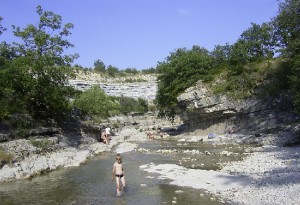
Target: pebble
{"x": 179, "y": 192}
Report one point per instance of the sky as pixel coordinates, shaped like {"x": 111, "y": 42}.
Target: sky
{"x": 140, "y": 33}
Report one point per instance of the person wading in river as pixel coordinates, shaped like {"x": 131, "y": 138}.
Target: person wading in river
{"x": 118, "y": 172}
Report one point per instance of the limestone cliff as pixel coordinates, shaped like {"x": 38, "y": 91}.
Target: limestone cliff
{"x": 136, "y": 86}
{"x": 199, "y": 108}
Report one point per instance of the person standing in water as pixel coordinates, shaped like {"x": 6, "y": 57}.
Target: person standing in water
{"x": 118, "y": 172}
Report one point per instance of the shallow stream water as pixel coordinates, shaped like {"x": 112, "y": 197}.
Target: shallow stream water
{"x": 91, "y": 182}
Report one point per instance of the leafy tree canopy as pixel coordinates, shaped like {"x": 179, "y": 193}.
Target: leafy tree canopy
{"x": 112, "y": 70}
{"x": 287, "y": 25}
{"x": 95, "y": 102}
{"x": 36, "y": 71}
{"x": 182, "y": 69}
{"x": 99, "y": 66}
{"x": 2, "y": 29}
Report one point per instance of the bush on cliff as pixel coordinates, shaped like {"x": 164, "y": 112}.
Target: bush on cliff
{"x": 5, "y": 157}
{"x": 241, "y": 68}
{"x": 97, "y": 103}
{"x": 182, "y": 69}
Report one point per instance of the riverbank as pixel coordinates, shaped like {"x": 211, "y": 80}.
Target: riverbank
{"x": 35, "y": 163}
{"x": 42, "y": 154}
{"x": 268, "y": 174}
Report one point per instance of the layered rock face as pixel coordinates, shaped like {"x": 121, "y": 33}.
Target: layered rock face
{"x": 144, "y": 90}
{"x": 115, "y": 87}
{"x": 199, "y": 108}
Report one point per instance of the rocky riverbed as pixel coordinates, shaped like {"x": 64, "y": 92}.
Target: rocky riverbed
{"x": 268, "y": 174}
{"x": 34, "y": 162}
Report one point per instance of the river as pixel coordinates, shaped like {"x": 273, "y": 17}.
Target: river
{"x": 91, "y": 182}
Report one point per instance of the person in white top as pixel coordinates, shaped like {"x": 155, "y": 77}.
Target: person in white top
{"x": 118, "y": 172}
{"x": 107, "y": 132}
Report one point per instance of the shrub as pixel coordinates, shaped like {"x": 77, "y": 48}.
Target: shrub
{"x": 43, "y": 144}
{"x": 5, "y": 157}
{"x": 95, "y": 102}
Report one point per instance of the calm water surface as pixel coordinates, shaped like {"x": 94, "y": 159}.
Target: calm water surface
{"x": 91, "y": 183}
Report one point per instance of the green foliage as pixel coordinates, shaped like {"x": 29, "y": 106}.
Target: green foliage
{"x": 149, "y": 71}
{"x": 131, "y": 70}
{"x": 236, "y": 86}
{"x": 238, "y": 57}
{"x": 2, "y": 29}
{"x": 99, "y": 66}
{"x": 242, "y": 67}
{"x": 42, "y": 144}
{"x": 288, "y": 34}
{"x": 112, "y": 71}
{"x": 129, "y": 105}
{"x": 95, "y": 102}
{"x": 98, "y": 104}
{"x": 133, "y": 80}
{"x": 221, "y": 55}
{"x": 269, "y": 76}
{"x": 259, "y": 41}
{"x": 182, "y": 69}
{"x": 5, "y": 157}
{"x": 35, "y": 72}
{"x": 287, "y": 28}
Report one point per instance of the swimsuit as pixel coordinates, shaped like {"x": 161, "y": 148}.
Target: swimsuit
{"x": 119, "y": 175}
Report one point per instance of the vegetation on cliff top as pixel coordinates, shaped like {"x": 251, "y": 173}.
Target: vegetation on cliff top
{"x": 35, "y": 72}
{"x": 96, "y": 103}
{"x": 267, "y": 51}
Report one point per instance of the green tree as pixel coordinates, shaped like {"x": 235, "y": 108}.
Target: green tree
{"x": 2, "y": 29}
{"x": 238, "y": 57}
{"x": 149, "y": 71}
{"x": 8, "y": 98}
{"x": 287, "y": 25}
{"x": 99, "y": 66}
{"x": 95, "y": 102}
{"x": 112, "y": 71}
{"x": 143, "y": 105}
{"x": 39, "y": 73}
{"x": 221, "y": 55}
{"x": 259, "y": 41}
{"x": 129, "y": 105}
{"x": 131, "y": 70}
{"x": 182, "y": 69}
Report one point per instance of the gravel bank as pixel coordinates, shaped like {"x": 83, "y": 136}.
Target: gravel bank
{"x": 274, "y": 173}
{"x": 66, "y": 156}
{"x": 269, "y": 175}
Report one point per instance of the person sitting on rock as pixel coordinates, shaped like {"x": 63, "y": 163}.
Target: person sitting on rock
{"x": 107, "y": 133}
{"x": 161, "y": 133}
{"x": 150, "y": 134}
{"x": 104, "y": 138}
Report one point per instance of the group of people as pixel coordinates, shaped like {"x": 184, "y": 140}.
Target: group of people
{"x": 151, "y": 133}
{"x": 105, "y": 135}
